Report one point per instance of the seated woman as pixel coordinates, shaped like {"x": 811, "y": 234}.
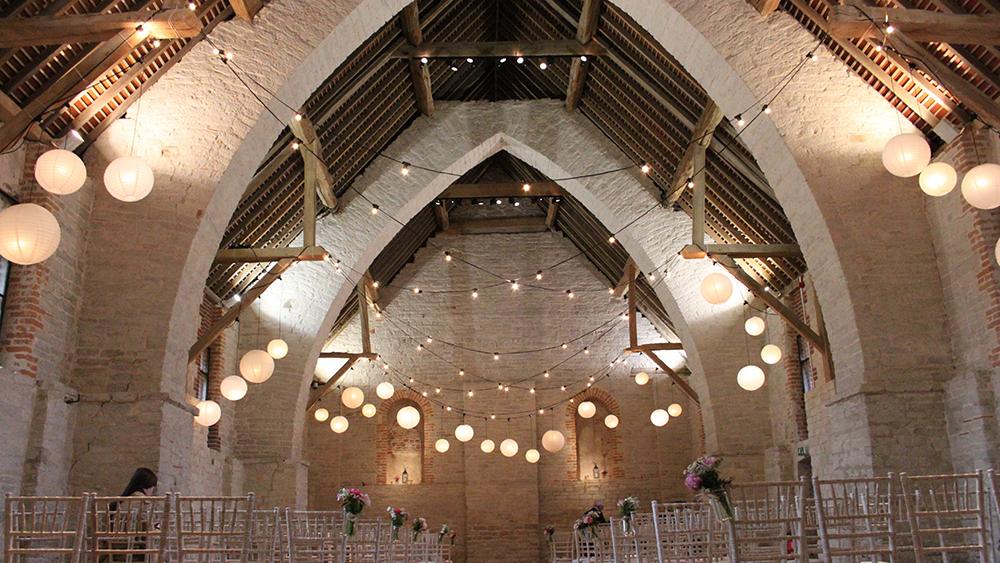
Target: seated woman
{"x": 126, "y": 523}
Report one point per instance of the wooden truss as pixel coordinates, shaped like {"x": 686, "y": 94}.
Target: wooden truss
{"x": 364, "y": 290}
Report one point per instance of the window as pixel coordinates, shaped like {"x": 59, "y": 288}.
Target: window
{"x": 805, "y": 366}
{"x": 204, "y": 369}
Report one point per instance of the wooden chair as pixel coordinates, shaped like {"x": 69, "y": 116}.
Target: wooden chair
{"x": 128, "y": 529}
{"x": 947, "y": 516}
{"x": 266, "y": 543}
{"x": 365, "y": 545}
{"x": 52, "y": 528}
{"x": 313, "y": 535}
{"x": 594, "y": 545}
{"x": 857, "y": 519}
{"x": 994, "y": 512}
{"x": 687, "y": 531}
{"x": 561, "y": 548}
{"x": 768, "y": 522}
{"x": 213, "y": 529}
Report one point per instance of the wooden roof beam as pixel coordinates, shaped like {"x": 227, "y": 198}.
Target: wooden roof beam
{"x": 628, "y": 278}
{"x": 701, "y": 139}
{"x": 764, "y": 7}
{"x": 506, "y": 225}
{"x": 492, "y": 49}
{"x": 693, "y": 251}
{"x": 316, "y": 173}
{"x": 502, "y": 189}
{"x": 93, "y": 28}
{"x": 318, "y": 394}
{"x": 590, "y": 16}
{"x": 247, "y": 255}
{"x": 853, "y": 21}
{"x": 551, "y": 214}
{"x": 420, "y": 75}
{"x": 246, "y": 9}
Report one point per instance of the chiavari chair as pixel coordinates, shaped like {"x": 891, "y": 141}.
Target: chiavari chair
{"x": 857, "y": 519}
{"x": 49, "y": 527}
{"x": 687, "y": 531}
{"x": 313, "y": 535}
{"x": 265, "y": 544}
{"x": 768, "y": 522}
{"x": 947, "y": 516}
{"x": 213, "y": 529}
{"x": 128, "y": 529}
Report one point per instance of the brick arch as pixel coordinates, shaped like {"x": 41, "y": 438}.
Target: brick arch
{"x": 383, "y": 422}
{"x": 615, "y": 451}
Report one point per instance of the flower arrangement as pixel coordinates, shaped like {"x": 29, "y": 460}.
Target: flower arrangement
{"x": 419, "y": 526}
{"x": 584, "y": 524}
{"x": 353, "y": 501}
{"x": 444, "y": 531}
{"x": 626, "y": 508}
{"x": 703, "y": 477}
{"x": 397, "y": 517}
{"x": 549, "y": 532}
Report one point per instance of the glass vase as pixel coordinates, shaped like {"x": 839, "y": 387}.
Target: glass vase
{"x": 719, "y": 500}
{"x": 350, "y": 521}
{"x": 395, "y": 533}
{"x": 627, "y": 525}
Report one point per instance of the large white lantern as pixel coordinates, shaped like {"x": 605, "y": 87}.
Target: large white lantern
{"x": 938, "y": 179}
{"x": 233, "y": 388}
{"x": 368, "y": 410}
{"x": 60, "y": 172}
{"x": 981, "y": 186}
{"x": 339, "y": 424}
{"x": 659, "y": 417}
{"x": 442, "y": 445}
{"x": 256, "y": 366}
{"x": 209, "y": 413}
{"x": 128, "y": 178}
{"x": 532, "y": 455}
{"x": 996, "y": 252}
{"x": 384, "y": 390}
{"x": 716, "y": 288}
{"x": 321, "y": 415}
{"x": 29, "y": 233}
{"x": 771, "y": 354}
{"x": 508, "y": 447}
{"x": 408, "y": 417}
{"x": 675, "y": 409}
{"x": 906, "y": 155}
{"x": 353, "y": 397}
{"x": 750, "y": 378}
{"x": 464, "y": 432}
{"x": 487, "y": 446}
{"x": 642, "y": 378}
{"x": 755, "y": 326}
{"x": 611, "y": 421}
{"x": 277, "y": 348}
{"x": 553, "y": 441}
{"x": 586, "y": 409}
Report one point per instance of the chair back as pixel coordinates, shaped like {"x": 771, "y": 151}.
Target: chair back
{"x": 687, "y": 531}
{"x": 127, "y": 529}
{"x": 364, "y": 545}
{"x": 49, "y": 527}
{"x": 561, "y": 548}
{"x": 768, "y": 522}
{"x": 313, "y": 535}
{"x": 266, "y": 539}
{"x": 947, "y": 515}
{"x": 856, "y": 519}
{"x": 213, "y": 529}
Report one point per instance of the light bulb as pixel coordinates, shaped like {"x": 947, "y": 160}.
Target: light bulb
{"x": 611, "y": 239}
{"x": 569, "y": 293}
{"x": 645, "y": 169}
{"x": 374, "y": 209}
{"x": 520, "y": 60}
{"x": 526, "y": 188}
{"x": 538, "y": 275}
{"x": 475, "y": 293}
{"x": 404, "y": 169}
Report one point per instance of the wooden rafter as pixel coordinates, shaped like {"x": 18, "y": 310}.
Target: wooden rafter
{"x": 246, "y": 9}
{"x": 551, "y": 214}
{"x": 694, "y": 251}
{"x": 854, "y": 21}
{"x": 492, "y": 225}
{"x": 628, "y": 278}
{"x": 701, "y": 139}
{"x": 317, "y": 394}
{"x": 441, "y": 217}
{"x": 250, "y": 255}
{"x": 502, "y": 189}
{"x": 420, "y": 75}
{"x": 764, "y": 7}
{"x": 317, "y": 176}
{"x": 93, "y": 28}
{"x": 655, "y": 347}
{"x": 462, "y": 49}
{"x": 590, "y": 16}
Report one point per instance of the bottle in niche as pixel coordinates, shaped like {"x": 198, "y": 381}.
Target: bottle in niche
{"x": 406, "y": 476}
{"x": 597, "y": 472}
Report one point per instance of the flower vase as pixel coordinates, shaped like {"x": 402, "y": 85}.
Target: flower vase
{"x": 350, "y": 521}
{"x": 627, "y": 525}
{"x": 395, "y": 533}
{"x": 416, "y": 535}
{"x": 719, "y": 499}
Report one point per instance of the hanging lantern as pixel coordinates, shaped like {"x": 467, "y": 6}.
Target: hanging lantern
{"x": 339, "y": 424}
{"x": 755, "y": 326}
{"x": 408, "y": 417}
{"x": 906, "y": 155}
{"x": 442, "y": 445}
{"x": 675, "y": 410}
{"x": 981, "y": 186}
{"x": 586, "y": 409}
{"x": 29, "y": 233}
{"x": 60, "y": 172}
{"x": 659, "y": 417}
{"x": 464, "y": 432}
{"x": 209, "y": 413}
{"x": 532, "y": 455}
{"x": 277, "y": 348}
{"x": 938, "y": 179}
{"x": 321, "y": 415}
{"x": 256, "y": 366}
{"x": 771, "y": 354}
{"x": 996, "y": 252}
{"x": 642, "y": 378}
{"x": 233, "y": 388}
{"x": 128, "y": 178}
{"x": 508, "y": 447}
{"x": 487, "y": 446}
{"x": 368, "y": 410}
{"x": 611, "y": 421}
{"x": 385, "y": 390}
{"x": 352, "y": 397}
{"x": 750, "y": 378}
{"x": 553, "y": 441}
{"x": 716, "y": 288}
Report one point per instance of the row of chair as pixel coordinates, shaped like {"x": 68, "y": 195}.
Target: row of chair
{"x": 948, "y": 518}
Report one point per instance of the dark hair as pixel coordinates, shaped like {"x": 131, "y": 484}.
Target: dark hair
{"x": 141, "y": 480}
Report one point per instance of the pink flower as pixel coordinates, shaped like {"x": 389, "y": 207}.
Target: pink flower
{"x": 588, "y": 519}
{"x": 711, "y": 461}
{"x": 692, "y": 481}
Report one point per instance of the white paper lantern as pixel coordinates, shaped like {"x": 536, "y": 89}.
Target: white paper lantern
{"x": 442, "y": 445}
{"x": 755, "y": 326}
{"x": 675, "y": 409}
{"x": 339, "y": 424}
{"x": 981, "y": 186}
{"x": 487, "y": 446}
{"x": 716, "y": 288}
{"x": 256, "y": 366}
{"x": 321, "y": 415}
{"x": 996, "y": 252}
{"x": 233, "y": 388}
{"x": 611, "y": 421}
{"x": 586, "y": 409}
{"x": 642, "y": 378}
{"x": 750, "y": 378}
{"x": 532, "y": 455}
{"x": 29, "y": 234}
{"x": 659, "y": 417}
{"x": 553, "y": 441}
{"x": 906, "y": 155}
{"x": 508, "y": 447}
{"x": 385, "y": 390}
{"x": 368, "y": 410}
{"x": 938, "y": 179}
{"x": 277, "y": 348}
{"x": 408, "y": 417}
{"x": 209, "y": 413}
{"x": 464, "y": 432}
{"x": 60, "y": 172}
{"x": 771, "y": 354}
{"x": 352, "y": 397}
{"x": 128, "y": 178}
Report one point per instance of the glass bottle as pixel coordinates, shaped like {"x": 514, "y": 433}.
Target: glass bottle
{"x": 406, "y": 476}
